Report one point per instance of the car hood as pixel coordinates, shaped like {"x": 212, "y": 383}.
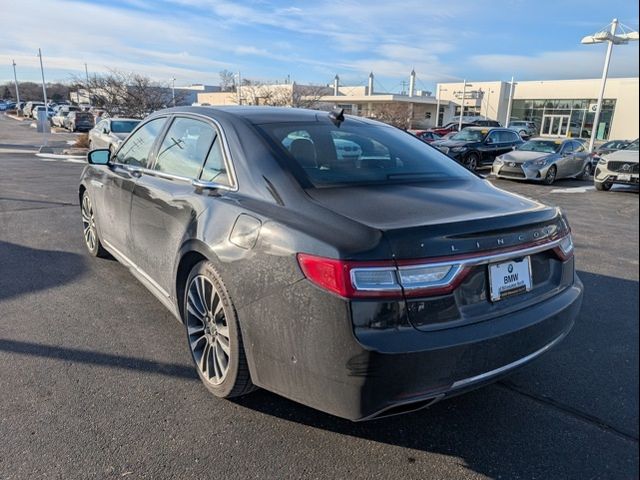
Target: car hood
{"x": 630, "y": 156}
{"x": 454, "y": 143}
{"x": 437, "y": 218}
{"x": 520, "y": 156}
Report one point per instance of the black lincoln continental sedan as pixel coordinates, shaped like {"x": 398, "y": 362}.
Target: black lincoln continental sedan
{"x": 364, "y": 285}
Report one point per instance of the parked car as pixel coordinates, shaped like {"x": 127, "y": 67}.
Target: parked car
{"x": 110, "y": 132}
{"x": 29, "y": 107}
{"x": 19, "y": 108}
{"x": 315, "y": 278}
{"x": 611, "y": 146}
{"x": 3, "y": 106}
{"x": 39, "y": 108}
{"x": 450, "y": 127}
{"x": 57, "y": 120}
{"x": 544, "y": 160}
{"x": 486, "y": 123}
{"x": 524, "y": 128}
{"x": 79, "y": 121}
{"x": 619, "y": 167}
{"x": 427, "y": 135}
{"x": 475, "y": 147}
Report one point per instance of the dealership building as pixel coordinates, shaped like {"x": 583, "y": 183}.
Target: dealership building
{"x": 558, "y": 107}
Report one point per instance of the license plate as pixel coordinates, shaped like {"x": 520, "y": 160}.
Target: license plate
{"x": 624, "y": 177}
{"x": 509, "y": 278}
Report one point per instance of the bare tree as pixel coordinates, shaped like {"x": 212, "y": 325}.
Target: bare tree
{"x": 282, "y": 95}
{"x": 128, "y": 94}
{"x": 398, "y": 114}
{"x": 227, "y": 81}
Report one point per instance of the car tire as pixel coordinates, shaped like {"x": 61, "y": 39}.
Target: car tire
{"x": 551, "y": 175}
{"x": 471, "y": 161}
{"x": 587, "y": 172}
{"x": 603, "y": 186}
{"x": 213, "y": 334}
{"x": 90, "y": 232}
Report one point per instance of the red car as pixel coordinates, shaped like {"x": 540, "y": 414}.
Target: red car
{"x": 450, "y": 127}
{"x": 427, "y": 135}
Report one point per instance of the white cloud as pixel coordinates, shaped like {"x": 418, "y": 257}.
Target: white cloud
{"x": 584, "y": 63}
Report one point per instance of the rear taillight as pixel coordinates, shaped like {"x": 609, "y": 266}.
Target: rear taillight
{"x": 351, "y": 279}
{"x": 564, "y": 250}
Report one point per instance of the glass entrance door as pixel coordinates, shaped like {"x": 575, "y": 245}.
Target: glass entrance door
{"x": 555, "y": 125}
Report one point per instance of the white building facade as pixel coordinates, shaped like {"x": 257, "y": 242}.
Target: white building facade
{"x": 558, "y": 107}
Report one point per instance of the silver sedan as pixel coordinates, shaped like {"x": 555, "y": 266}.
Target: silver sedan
{"x": 544, "y": 160}
{"x": 110, "y": 132}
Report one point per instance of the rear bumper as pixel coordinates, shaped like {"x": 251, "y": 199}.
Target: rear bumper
{"x": 378, "y": 371}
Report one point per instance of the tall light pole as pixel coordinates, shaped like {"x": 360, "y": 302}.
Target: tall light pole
{"x": 173, "y": 91}
{"x": 86, "y": 73}
{"x": 44, "y": 88}
{"x": 509, "y": 105}
{"x": 464, "y": 95}
{"x": 612, "y": 39}
{"x": 15, "y": 79}
{"x": 440, "y": 90}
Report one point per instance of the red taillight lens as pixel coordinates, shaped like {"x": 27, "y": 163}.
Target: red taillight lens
{"x": 351, "y": 279}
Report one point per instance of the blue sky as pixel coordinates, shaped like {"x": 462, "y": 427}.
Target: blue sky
{"x": 192, "y": 40}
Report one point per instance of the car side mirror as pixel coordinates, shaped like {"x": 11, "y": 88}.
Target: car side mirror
{"x": 99, "y": 157}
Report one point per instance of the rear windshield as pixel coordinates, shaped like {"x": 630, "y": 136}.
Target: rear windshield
{"x": 123, "y": 126}
{"x": 84, "y": 116}
{"x": 358, "y": 153}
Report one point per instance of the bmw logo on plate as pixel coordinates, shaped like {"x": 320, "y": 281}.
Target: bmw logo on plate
{"x": 510, "y": 268}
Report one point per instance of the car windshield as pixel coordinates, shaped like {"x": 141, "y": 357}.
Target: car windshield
{"x": 632, "y": 146}
{"x": 545, "y": 146}
{"x": 469, "y": 135}
{"x": 123, "y": 126}
{"x": 359, "y": 153}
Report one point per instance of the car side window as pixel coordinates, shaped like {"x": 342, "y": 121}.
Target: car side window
{"x": 579, "y": 147}
{"x": 215, "y": 169}
{"x": 136, "y": 149}
{"x": 567, "y": 148}
{"x": 185, "y": 147}
{"x": 493, "y": 137}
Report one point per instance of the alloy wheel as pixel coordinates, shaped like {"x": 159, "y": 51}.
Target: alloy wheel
{"x": 88, "y": 223}
{"x": 208, "y": 330}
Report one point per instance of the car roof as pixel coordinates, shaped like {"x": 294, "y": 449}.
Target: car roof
{"x": 126, "y": 119}
{"x": 261, "y": 115}
{"x": 487, "y": 128}
{"x": 555, "y": 139}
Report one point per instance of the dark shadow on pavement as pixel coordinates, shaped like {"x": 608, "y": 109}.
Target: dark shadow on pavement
{"x": 25, "y": 270}
{"x": 97, "y": 358}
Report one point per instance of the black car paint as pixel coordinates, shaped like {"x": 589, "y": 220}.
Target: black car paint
{"x": 354, "y": 359}
{"x": 487, "y": 152}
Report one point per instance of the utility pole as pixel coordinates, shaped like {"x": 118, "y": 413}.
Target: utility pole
{"x": 512, "y": 85}
{"x": 464, "y": 95}
{"x": 86, "y": 73}
{"x": 44, "y": 88}
{"x": 173, "y": 91}
{"x": 15, "y": 79}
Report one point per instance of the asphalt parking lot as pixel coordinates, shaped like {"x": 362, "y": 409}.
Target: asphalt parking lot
{"x": 96, "y": 380}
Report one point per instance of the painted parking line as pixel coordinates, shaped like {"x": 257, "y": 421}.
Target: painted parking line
{"x": 573, "y": 190}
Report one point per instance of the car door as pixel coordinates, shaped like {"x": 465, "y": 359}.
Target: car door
{"x": 165, "y": 204}
{"x": 125, "y": 168}
{"x": 566, "y": 162}
{"x": 580, "y": 158}
{"x": 511, "y": 139}
{"x": 489, "y": 147}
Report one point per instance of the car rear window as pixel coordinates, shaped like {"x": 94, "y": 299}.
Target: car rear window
{"x": 358, "y": 153}
{"x": 84, "y": 116}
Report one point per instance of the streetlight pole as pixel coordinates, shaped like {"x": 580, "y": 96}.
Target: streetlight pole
{"x": 173, "y": 91}
{"x": 86, "y": 73}
{"x": 464, "y": 95}
{"x": 509, "y": 105}
{"x": 44, "y": 88}
{"x": 15, "y": 80}
{"x": 612, "y": 39}
{"x": 603, "y": 84}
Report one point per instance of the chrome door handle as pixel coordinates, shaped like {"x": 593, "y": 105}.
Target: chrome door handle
{"x": 134, "y": 171}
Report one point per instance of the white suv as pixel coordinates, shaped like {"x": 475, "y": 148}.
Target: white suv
{"x": 617, "y": 167}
